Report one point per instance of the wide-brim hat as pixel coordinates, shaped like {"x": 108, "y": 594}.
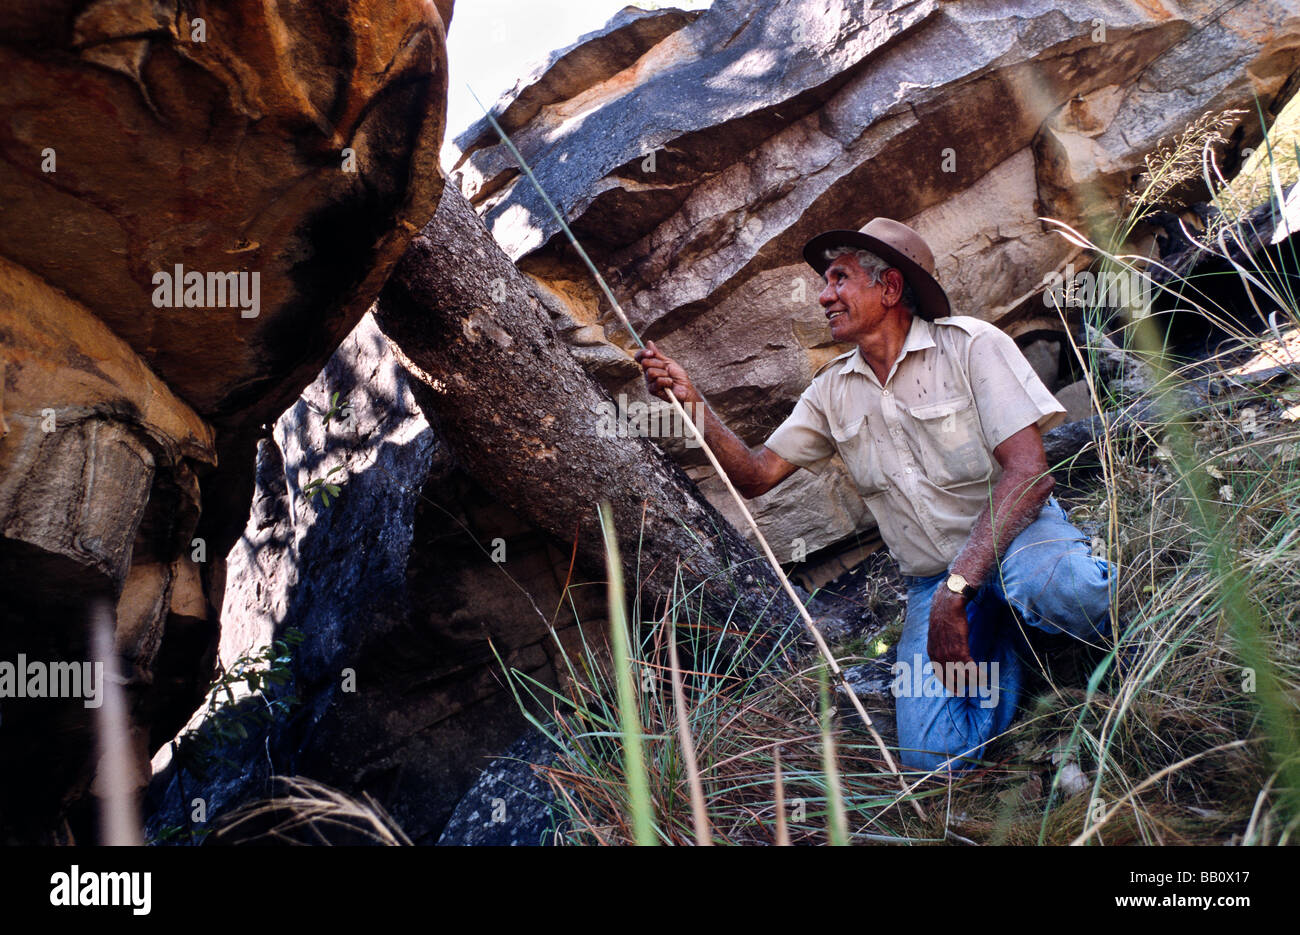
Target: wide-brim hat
{"x": 899, "y": 246}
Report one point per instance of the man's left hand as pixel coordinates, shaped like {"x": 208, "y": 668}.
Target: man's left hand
{"x": 949, "y": 636}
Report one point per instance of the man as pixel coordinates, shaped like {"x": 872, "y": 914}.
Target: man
{"x": 938, "y": 420}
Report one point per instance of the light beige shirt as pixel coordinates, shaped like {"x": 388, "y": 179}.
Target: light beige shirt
{"x": 920, "y": 448}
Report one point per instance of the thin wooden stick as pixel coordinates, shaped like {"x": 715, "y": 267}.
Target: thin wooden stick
{"x": 680, "y": 410}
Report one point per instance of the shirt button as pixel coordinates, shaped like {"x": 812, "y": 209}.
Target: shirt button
{"x": 909, "y": 470}
{"x": 886, "y": 393}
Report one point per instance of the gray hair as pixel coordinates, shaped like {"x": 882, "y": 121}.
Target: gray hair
{"x": 873, "y": 266}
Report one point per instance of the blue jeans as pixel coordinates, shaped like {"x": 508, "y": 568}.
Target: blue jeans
{"x": 1052, "y": 581}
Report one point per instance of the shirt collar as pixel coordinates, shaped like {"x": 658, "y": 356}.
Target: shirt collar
{"x": 919, "y": 336}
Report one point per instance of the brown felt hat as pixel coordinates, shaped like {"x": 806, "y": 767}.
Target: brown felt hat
{"x": 899, "y": 246}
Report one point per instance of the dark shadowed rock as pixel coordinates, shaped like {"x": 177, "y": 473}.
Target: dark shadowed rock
{"x": 509, "y": 805}
{"x": 403, "y": 608}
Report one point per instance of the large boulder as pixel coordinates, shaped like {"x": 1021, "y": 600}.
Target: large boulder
{"x": 199, "y": 203}
{"x": 694, "y": 174}
{"x": 98, "y": 498}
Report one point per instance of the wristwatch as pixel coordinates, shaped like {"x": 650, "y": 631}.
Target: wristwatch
{"x": 959, "y": 585}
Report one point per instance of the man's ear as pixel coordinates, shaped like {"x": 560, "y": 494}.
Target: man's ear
{"x": 894, "y": 284}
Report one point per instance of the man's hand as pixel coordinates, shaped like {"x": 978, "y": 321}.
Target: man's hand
{"x": 662, "y": 373}
{"x": 949, "y": 636}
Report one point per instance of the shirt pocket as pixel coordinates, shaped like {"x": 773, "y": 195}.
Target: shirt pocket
{"x": 950, "y": 442}
{"x": 860, "y": 455}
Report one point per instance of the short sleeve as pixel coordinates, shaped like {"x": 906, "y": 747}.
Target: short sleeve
{"x": 804, "y": 438}
{"x": 1007, "y": 391}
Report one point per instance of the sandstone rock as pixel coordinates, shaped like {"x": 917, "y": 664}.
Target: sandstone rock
{"x": 98, "y": 496}
{"x": 591, "y": 60}
{"x": 509, "y": 804}
{"x": 1077, "y": 400}
{"x": 285, "y": 149}
{"x": 220, "y": 154}
{"x": 296, "y": 142}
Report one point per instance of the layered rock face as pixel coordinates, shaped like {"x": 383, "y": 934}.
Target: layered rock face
{"x": 199, "y": 202}
{"x": 695, "y": 171}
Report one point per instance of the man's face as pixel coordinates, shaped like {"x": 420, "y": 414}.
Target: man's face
{"x": 851, "y": 300}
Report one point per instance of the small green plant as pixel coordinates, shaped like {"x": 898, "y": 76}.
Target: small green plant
{"x": 227, "y": 720}
{"x": 323, "y": 486}
{"x": 336, "y": 410}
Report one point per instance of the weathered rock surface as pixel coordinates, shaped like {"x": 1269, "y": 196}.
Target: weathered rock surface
{"x": 509, "y": 805}
{"x": 694, "y": 174}
{"x": 592, "y": 59}
{"x": 284, "y": 153}
{"x": 540, "y": 434}
{"x": 98, "y": 496}
{"x": 295, "y": 142}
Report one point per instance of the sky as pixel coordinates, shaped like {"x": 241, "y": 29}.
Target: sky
{"x": 493, "y": 43}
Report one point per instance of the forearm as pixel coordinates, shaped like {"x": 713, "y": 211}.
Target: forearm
{"x": 752, "y": 472}
{"x": 1016, "y": 501}
{"x": 741, "y": 463}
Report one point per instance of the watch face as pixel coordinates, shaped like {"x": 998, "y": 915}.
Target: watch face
{"x": 957, "y": 584}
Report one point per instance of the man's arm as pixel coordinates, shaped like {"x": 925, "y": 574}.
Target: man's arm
{"x": 754, "y": 472}
{"x": 1017, "y": 497}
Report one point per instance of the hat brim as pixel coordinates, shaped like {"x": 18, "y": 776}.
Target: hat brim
{"x": 932, "y": 302}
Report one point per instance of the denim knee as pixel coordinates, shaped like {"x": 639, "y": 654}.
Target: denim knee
{"x": 934, "y": 726}
{"x": 926, "y": 746}
{"x": 1076, "y": 597}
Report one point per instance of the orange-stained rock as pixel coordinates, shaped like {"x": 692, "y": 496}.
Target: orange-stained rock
{"x": 216, "y": 136}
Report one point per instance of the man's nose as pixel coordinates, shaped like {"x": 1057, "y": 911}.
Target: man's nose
{"x": 827, "y": 296}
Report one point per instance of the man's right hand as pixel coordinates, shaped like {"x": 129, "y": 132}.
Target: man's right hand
{"x": 753, "y": 472}
{"x": 662, "y": 373}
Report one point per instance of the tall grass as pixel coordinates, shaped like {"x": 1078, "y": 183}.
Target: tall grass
{"x": 629, "y": 717}
{"x": 1204, "y": 529}
{"x": 710, "y": 743}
